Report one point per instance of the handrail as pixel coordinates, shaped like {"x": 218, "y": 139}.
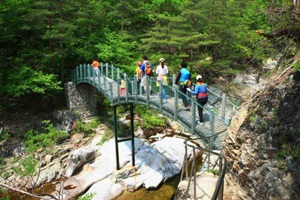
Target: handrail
{"x": 108, "y": 82}
{"x": 218, "y": 192}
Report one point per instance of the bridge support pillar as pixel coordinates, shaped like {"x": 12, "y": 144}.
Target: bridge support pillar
{"x": 82, "y": 99}
{"x": 117, "y": 140}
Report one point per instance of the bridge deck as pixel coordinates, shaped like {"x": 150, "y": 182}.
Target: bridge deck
{"x": 214, "y": 131}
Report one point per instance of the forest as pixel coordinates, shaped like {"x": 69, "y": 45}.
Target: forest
{"x": 41, "y": 41}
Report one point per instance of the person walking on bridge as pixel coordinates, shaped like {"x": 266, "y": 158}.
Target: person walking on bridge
{"x": 138, "y": 73}
{"x": 182, "y": 79}
{"x": 202, "y": 97}
{"x": 95, "y": 64}
{"x": 147, "y": 71}
{"x": 162, "y": 71}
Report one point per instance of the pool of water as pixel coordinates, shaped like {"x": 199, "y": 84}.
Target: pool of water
{"x": 165, "y": 191}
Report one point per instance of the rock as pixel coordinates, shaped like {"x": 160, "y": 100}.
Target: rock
{"x": 157, "y": 162}
{"x": 206, "y": 183}
{"x": 105, "y": 190}
{"x": 48, "y": 158}
{"x": 80, "y": 156}
{"x": 101, "y": 168}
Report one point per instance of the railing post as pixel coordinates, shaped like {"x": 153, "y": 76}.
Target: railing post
{"x": 118, "y": 89}
{"x": 173, "y": 79}
{"x": 106, "y": 69}
{"x": 136, "y": 88}
{"x": 118, "y": 74}
{"x": 94, "y": 76}
{"x": 99, "y": 82}
{"x": 194, "y": 173}
{"x": 126, "y": 86}
{"x": 220, "y": 195}
{"x": 111, "y": 92}
{"x": 184, "y": 163}
{"x": 101, "y": 65}
{"x": 81, "y": 73}
{"x": 223, "y": 107}
{"x": 105, "y": 86}
{"x": 112, "y": 72}
{"x": 147, "y": 90}
{"x": 160, "y": 97}
{"x": 193, "y": 116}
{"x": 176, "y": 102}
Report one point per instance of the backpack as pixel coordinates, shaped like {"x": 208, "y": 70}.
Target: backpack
{"x": 148, "y": 69}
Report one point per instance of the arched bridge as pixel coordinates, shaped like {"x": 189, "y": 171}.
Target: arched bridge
{"x": 216, "y": 111}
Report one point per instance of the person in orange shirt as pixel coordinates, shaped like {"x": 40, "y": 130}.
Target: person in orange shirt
{"x": 95, "y": 64}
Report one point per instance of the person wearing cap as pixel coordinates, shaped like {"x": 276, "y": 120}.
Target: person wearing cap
{"x": 143, "y": 80}
{"x": 181, "y": 79}
{"x": 162, "y": 71}
{"x": 201, "y": 95}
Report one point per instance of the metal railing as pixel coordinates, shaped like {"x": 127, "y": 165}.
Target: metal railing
{"x": 191, "y": 172}
{"x": 109, "y": 80}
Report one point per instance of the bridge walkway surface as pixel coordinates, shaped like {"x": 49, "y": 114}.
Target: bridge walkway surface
{"x": 217, "y": 112}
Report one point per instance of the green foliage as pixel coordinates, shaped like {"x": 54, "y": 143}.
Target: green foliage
{"x": 150, "y": 119}
{"x": 27, "y": 167}
{"x": 4, "y": 135}
{"x": 116, "y": 48}
{"x": 49, "y": 137}
{"x": 88, "y": 196}
{"x": 213, "y": 171}
{"x": 26, "y": 81}
{"x": 297, "y": 66}
{"x": 289, "y": 150}
{"x": 3, "y": 194}
{"x": 87, "y": 128}
{"x": 108, "y": 134}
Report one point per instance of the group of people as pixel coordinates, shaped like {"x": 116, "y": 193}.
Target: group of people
{"x": 145, "y": 69}
{"x": 183, "y": 80}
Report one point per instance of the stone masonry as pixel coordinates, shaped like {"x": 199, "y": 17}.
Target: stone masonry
{"x": 82, "y": 99}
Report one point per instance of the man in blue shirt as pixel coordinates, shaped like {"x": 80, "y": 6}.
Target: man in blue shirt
{"x": 182, "y": 78}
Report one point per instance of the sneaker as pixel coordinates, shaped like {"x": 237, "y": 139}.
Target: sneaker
{"x": 164, "y": 100}
{"x": 200, "y": 123}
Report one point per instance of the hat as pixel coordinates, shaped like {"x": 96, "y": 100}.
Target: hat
{"x": 161, "y": 60}
{"x": 198, "y": 77}
{"x": 145, "y": 58}
{"x": 139, "y": 63}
